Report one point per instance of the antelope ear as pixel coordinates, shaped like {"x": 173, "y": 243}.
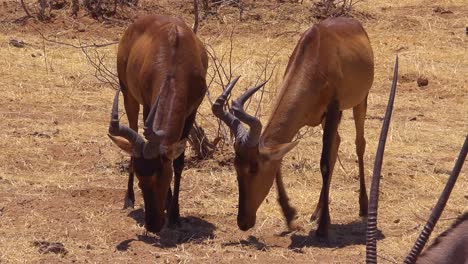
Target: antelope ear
{"x": 176, "y": 149}
{"x": 122, "y": 143}
{"x": 277, "y": 152}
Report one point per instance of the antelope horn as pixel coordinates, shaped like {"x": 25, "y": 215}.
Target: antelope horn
{"x": 229, "y": 119}
{"x": 254, "y": 123}
{"x": 371, "y": 245}
{"x": 148, "y": 131}
{"x": 115, "y": 129}
{"x": 437, "y": 211}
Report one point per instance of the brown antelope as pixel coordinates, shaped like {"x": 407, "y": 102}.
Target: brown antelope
{"x": 161, "y": 65}
{"x": 452, "y": 245}
{"x": 449, "y": 247}
{"x": 330, "y": 70}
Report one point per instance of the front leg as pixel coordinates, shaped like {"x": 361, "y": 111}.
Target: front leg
{"x": 132, "y": 108}
{"x": 331, "y": 142}
{"x": 129, "y": 200}
{"x": 289, "y": 212}
{"x": 168, "y": 200}
{"x": 178, "y": 165}
{"x": 174, "y": 214}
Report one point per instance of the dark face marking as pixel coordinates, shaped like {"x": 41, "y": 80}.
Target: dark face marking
{"x": 154, "y": 178}
{"x": 147, "y": 167}
{"x": 253, "y": 179}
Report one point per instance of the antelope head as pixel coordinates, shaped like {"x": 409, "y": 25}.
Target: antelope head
{"x": 256, "y": 165}
{"x": 151, "y": 162}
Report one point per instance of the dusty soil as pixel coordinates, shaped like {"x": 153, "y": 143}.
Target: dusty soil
{"x": 62, "y": 181}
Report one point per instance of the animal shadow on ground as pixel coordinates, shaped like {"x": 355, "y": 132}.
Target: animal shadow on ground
{"x": 339, "y": 236}
{"x": 191, "y": 230}
{"x": 252, "y": 242}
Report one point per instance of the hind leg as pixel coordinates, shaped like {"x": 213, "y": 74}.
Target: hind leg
{"x": 132, "y": 108}
{"x": 178, "y": 165}
{"x": 318, "y": 209}
{"x": 331, "y": 143}
{"x": 359, "y": 113}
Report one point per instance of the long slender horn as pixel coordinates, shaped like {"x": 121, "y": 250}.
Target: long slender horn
{"x": 229, "y": 119}
{"x": 148, "y": 131}
{"x": 115, "y": 129}
{"x": 371, "y": 245}
{"x": 253, "y": 122}
{"x": 437, "y": 211}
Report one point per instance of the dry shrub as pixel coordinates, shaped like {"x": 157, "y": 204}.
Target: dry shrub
{"x": 211, "y": 7}
{"x": 323, "y": 9}
{"x": 106, "y": 8}
{"x": 97, "y": 9}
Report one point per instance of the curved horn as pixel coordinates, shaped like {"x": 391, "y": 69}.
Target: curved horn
{"x": 437, "y": 211}
{"x": 148, "y": 131}
{"x": 253, "y": 122}
{"x": 371, "y": 245}
{"x": 115, "y": 129}
{"x": 229, "y": 119}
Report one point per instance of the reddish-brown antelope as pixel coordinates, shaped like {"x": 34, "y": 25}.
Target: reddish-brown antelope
{"x": 330, "y": 70}
{"x": 452, "y": 245}
{"x": 161, "y": 65}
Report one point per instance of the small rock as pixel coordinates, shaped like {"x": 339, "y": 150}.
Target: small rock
{"x": 256, "y": 17}
{"x": 17, "y": 43}
{"x": 50, "y": 247}
{"x": 413, "y": 118}
{"x": 422, "y": 81}
{"x": 402, "y": 48}
{"x": 441, "y": 10}
{"x": 40, "y": 134}
{"x": 396, "y": 221}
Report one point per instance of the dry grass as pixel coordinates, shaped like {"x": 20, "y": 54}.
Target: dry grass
{"x": 60, "y": 178}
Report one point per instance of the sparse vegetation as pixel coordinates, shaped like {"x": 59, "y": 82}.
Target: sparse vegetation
{"x": 333, "y": 8}
{"x": 61, "y": 179}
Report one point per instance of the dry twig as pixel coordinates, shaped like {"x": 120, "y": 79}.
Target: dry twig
{"x": 25, "y": 9}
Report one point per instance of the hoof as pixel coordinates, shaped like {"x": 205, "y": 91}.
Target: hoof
{"x": 364, "y": 219}
{"x": 128, "y": 204}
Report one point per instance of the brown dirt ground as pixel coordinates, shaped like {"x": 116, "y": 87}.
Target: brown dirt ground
{"x": 61, "y": 179}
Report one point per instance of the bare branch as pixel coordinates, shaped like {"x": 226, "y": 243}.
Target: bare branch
{"x": 93, "y": 45}
{"x": 195, "y": 13}
{"x": 25, "y": 9}
{"x": 101, "y": 71}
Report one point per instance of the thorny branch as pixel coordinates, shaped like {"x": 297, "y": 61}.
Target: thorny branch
{"x": 25, "y": 9}
{"x": 102, "y": 72}
{"x": 222, "y": 70}
{"x": 93, "y": 45}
